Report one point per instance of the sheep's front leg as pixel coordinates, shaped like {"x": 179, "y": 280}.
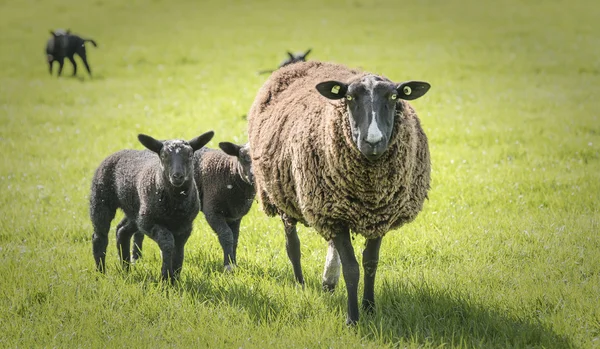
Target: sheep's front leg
{"x": 178, "y": 255}
{"x": 351, "y": 272}
{"x": 166, "y": 243}
{"x": 292, "y": 246}
{"x": 370, "y": 262}
{"x": 225, "y": 235}
{"x": 235, "y": 229}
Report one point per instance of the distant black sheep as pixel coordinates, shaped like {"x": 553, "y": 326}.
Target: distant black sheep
{"x": 226, "y": 184}
{"x": 63, "y": 45}
{"x": 292, "y": 58}
{"x": 157, "y": 192}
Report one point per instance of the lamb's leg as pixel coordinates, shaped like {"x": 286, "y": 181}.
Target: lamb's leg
{"x": 292, "y": 246}
{"x": 74, "y": 65}
{"x": 331, "y": 272}
{"x": 83, "y": 55}
{"x": 351, "y": 271}
{"x": 138, "y": 240}
{"x": 225, "y": 235}
{"x": 125, "y": 230}
{"x": 235, "y": 229}
{"x": 50, "y": 66}
{"x": 166, "y": 243}
{"x": 178, "y": 255}
{"x": 101, "y": 217}
{"x": 61, "y": 63}
{"x": 369, "y": 262}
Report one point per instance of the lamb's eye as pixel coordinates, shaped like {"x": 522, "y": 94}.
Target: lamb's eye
{"x": 348, "y": 97}
{"x": 393, "y": 97}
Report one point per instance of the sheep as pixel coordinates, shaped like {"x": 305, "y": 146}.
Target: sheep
{"x": 342, "y": 151}
{"x": 292, "y": 58}
{"x": 63, "y": 45}
{"x": 226, "y": 186}
{"x": 157, "y": 192}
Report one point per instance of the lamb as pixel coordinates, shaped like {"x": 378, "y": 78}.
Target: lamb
{"x": 63, "y": 45}
{"x": 292, "y": 58}
{"x": 157, "y": 192}
{"x": 226, "y": 186}
{"x": 339, "y": 150}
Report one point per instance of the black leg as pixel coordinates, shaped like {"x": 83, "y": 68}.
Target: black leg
{"x": 61, "y": 62}
{"x": 292, "y": 246}
{"x": 370, "y": 261}
{"x": 166, "y": 243}
{"x": 50, "y": 66}
{"x": 101, "y": 217}
{"x": 225, "y": 235}
{"x": 74, "y": 65}
{"x": 138, "y": 240}
{"x": 125, "y": 230}
{"x": 82, "y": 54}
{"x": 235, "y": 229}
{"x": 178, "y": 255}
{"x": 351, "y": 272}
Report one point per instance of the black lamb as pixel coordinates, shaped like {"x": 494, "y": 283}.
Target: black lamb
{"x": 157, "y": 192}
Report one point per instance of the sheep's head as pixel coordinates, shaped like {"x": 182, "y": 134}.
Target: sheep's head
{"x": 294, "y": 58}
{"x": 242, "y": 153}
{"x": 371, "y": 103}
{"x": 176, "y": 156}
{"x": 61, "y": 38}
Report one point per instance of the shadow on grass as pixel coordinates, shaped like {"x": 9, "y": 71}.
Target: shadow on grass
{"x": 421, "y": 314}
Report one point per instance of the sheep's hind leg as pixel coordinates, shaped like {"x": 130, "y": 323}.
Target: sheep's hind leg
{"x": 292, "y": 246}
{"x": 136, "y": 251}
{"x": 101, "y": 217}
{"x": 331, "y": 272}
{"x": 351, "y": 272}
{"x": 370, "y": 261}
{"x": 125, "y": 230}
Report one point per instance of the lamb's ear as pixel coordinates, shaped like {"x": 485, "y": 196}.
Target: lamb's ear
{"x": 52, "y": 32}
{"x": 201, "y": 140}
{"x": 306, "y": 53}
{"x": 291, "y": 55}
{"x": 410, "y": 90}
{"x": 150, "y": 143}
{"x": 69, "y": 31}
{"x": 332, "y": 89}
{"x": 230, "y": 148}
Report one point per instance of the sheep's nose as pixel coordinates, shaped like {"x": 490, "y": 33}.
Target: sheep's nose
{"x": 178, "y": 175}
{"x": 373, "y": 142}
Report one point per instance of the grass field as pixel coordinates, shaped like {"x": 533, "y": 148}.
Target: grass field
{"x": 506, "y": 253}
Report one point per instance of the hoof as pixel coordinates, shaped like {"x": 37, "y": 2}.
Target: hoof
{"x": 327, "y": 287}
{"x": 229, "y": 268}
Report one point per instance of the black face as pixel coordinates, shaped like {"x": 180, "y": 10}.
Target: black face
{"x": 176, "y": 158}
{"x": 242, "y": 153}
{"x": 372, "y": 104}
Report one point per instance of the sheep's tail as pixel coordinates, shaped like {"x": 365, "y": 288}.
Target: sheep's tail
{"x": 90, "y": 40}
{"x": 265, "y": 71}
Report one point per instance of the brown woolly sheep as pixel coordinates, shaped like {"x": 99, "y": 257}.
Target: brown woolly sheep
{"x": 339, "y": 150}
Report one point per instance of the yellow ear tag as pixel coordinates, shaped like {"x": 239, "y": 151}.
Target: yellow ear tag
{"x": 335, "y": 89}
{"x": 407, "y": 90}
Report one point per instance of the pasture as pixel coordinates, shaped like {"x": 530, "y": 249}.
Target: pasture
{"x": 505, "y": 254}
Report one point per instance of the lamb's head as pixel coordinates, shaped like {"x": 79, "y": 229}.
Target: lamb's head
{"x": 61, "y": 38}
{"x": 176, "y": 156}
{"x": 295, "y": 57}
{"x": 371, "y": 103}
{"x": 242, "y": 153}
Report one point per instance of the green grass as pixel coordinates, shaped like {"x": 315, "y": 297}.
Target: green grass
{"x": 505, "y": 254}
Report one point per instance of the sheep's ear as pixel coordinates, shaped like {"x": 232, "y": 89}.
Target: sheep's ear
{"x": 230, "y": 148}
{"x": 291, "y": 55}
{"x": 332, "y": 89}
{"x": 68, "y": 31}
{"x": 53, "y": 33}
{"x": 306, "y": 53}
{"x": 201, "y": 140}
{"x": 410, "y": 90}
{"x": 150, "y": 143}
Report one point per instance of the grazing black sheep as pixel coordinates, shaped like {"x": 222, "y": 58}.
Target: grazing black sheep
{"x": 226, "y": 184}
{"x": 63, "y": 45}
{"x": 292, "y": 58}
{"x": 157, "y": 192}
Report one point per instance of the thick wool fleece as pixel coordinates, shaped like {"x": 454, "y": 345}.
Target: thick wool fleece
{"x": 307, "y": 166}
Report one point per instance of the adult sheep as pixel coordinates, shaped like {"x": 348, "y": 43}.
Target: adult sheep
{"x": 339, "y": 150}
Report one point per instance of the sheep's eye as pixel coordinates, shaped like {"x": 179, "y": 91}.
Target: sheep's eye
{"x": 348, "y": 97}
{"x": 393, "y": 97}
